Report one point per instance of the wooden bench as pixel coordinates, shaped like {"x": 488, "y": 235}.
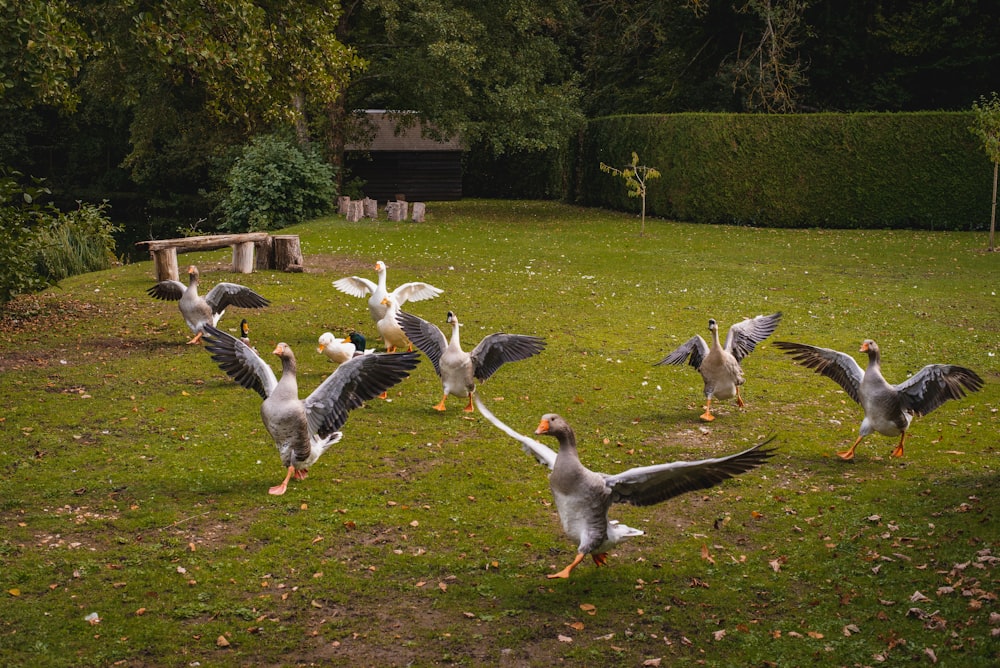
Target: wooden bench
{"x": 282, "y": 252}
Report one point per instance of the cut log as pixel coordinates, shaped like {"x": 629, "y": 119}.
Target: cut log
{"x": 165, "y": 264}
{"x": 342, "y": 203}
{"x": 419, "y": 208}
{"x": 265, "y": 253}
{"x": 208, "y": 242}
{"x": 243, "y": 257}
{"x": 397, "y": 210}
{"x": 371, "y": 208}
{"x": 287, "y": 253}
{"x": 355, "y": 210}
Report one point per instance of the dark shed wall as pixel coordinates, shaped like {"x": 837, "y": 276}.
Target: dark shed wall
{"x": 418, "y": 175}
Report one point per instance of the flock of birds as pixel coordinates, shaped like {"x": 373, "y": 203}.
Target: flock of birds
{"x": 303, "y": 429}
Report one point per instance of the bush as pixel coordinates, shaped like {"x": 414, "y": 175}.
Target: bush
{"x": 876, "y": 170}
{"x": 19, "y": 214}
{"x": 75, "y": 243}
{"x": 274, "y": 184}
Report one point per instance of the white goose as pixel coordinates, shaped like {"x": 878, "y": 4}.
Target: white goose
{"x": 583, "y": 497}
{"x": 303, "y": 429}
{"x": 719, "y": 365}
{"x": 199, "y": 311}
{"x": 388, "y": 328}
{"x": 407, "y": 292}
{"x": 458, "y": 369}
{"x": 889, "y": 409}
{"x": 341, "y": 350}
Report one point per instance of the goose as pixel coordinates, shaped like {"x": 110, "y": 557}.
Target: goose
{"x": 199, "y": 311}
{"x": 303, "y": 429}
{"x": 457, "y": 369}
{"x": 341, "y": 350}
{"x": 583, "y": 497}
{"x": 389, "y": 328}
{"x": 719, "y": 365}
{"x": 889, "y": 409}
{"x": 407, "y": 292}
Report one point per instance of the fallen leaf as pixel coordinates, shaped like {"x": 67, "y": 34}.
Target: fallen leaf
{"x": 14, "y": 592}
{"x": 317, "y": 539}
{"x": 719, "y": 635}
{"x": 929, "y": 653}
{"x": 221, "y": 641}
{"x": 563, "y": 638}
{"x": 705, "y": 555}
{"x": 442, "y": 586}
{"x": 917, "y": 597}
{"x": 652, "y": 662}
{"x": 589, "y": 608}
{"x": 578, "y": 626}
{"x": 851, "y": 629}
{"x": 815, "y": 634}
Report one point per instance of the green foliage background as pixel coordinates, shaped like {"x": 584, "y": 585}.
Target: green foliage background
{"x": 908, "y": 170}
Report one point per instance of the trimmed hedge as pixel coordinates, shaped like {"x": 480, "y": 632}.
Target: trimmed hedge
{"x": 920, "y": 170}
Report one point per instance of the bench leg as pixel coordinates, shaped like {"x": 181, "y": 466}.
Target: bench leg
{"x": 243, "y": 257}
{"x": 165, "y": 264}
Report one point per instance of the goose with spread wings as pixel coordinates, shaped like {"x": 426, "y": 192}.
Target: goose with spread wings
{"x": 719, "y": 365}
{"x": 583, "y": 497}
{"x": 357, "y": 286}
{"x": 199, "y": 311}
{"x": 889, "y": 409}
{"x": 303, "y": 429}
{"x": 459, "y": 370}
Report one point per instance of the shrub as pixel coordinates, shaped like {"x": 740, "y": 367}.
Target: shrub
{"x": 75, "y": 243}
{"x": 274, "y": 184}
{"x": 19, "y": 213}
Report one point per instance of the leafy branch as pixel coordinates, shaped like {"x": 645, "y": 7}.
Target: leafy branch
{"x": 635, "y": 176}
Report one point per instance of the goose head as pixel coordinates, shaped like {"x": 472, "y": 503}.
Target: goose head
{"x": 284, "y": 351}
{"x": 554, "y": 425}
{"x": 193, "y": 274}
{"x": 870, "y": 347}
{"x": 452, "y": 319}
{"x": 380, "y": 267}
{"x": 712, "y": 325}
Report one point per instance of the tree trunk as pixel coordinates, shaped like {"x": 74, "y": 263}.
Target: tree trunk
{"x": 993, "y": 211}
{"x": 287, "y": 253}
{"x": 265, "y": 253}
{"x": 419, "y": 208}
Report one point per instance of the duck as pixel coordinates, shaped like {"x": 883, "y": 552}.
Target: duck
{"x": 457, "y": 369}
{"x": 199, "y": 311}
{"x": 356, "y": 286}
{"x": 719, "y": 365}
{"x": 303, "y": 429}
{"x": 245, "y": 334}
{"x": 583, "y": 497}
{"x": 888, "y": 409}
{"x": 392, "y": 334}
{"x": 341, "y": 350}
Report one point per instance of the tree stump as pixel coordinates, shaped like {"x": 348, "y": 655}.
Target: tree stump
{"x": 355, "y": 210}
{"x": 243, "y": 257}
{"x": 396, "y": 210}
{"x": 287, "y": 253}
{"x": 265, "y": 253}
{"x": 371, "y": 208}
{"x": 419, "y": 208}
{"x": 342, "y": 203}
{"x": 165, "y": 263}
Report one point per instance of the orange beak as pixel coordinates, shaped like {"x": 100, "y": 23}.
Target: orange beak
{"x": 279, "y": 349}
{"x": 864, "y": 347}
{"x": 543, "y": 427}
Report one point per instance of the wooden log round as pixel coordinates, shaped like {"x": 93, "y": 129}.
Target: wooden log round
{"x": 419, "y": 209}
{"x": 165, "y": 264}
{"x": 287, "y": 252}
{"x": 243, "y": 257}
{"x": 265, "y": 253}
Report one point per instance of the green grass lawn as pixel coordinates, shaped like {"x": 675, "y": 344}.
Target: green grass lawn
{"x": 135, "y": 473}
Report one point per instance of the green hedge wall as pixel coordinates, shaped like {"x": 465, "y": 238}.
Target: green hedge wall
{"x": 920, "y": 170}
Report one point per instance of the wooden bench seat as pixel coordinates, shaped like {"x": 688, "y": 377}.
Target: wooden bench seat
{"x": 164, "y": 251}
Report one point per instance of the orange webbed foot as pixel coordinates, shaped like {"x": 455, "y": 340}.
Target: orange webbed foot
{"x": 278, "y": 490}
{"x": 707, "y": 417}
{"x": 601, "y": 559}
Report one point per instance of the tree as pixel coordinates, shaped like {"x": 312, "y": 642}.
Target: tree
{"x": 986, "y": 126}
{"x": 635, "y": 176}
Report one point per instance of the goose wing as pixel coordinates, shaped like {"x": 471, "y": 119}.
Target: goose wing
{"x": 647, "y": 485}
{"x": 224, "y": 295}
{"x": 544, "y": 454}
{"x": 414, "y": 292}
{"x": 496, "y": 350}
{"x": 167, "y": 290}
{"x": 935, "y": 384}
{"x": 744, "y": 336}
{"x": 354, "y": 382}
{"x": 694, "y": 351}
{"x": 425, "y": 336}
{"x": 239, "y": 361}
{"x": 840, "y": 367}
{"x": 355, "y": 286}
